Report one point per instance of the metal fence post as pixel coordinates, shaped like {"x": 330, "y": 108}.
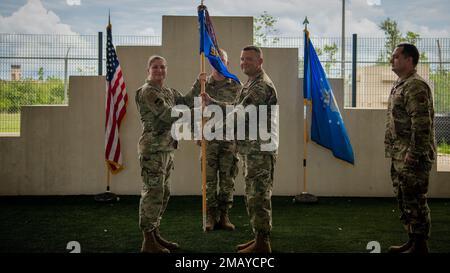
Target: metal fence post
{"x": 354, "y": 59}
{"x": 66, "y": 60}
{"x": 100, "y": 53}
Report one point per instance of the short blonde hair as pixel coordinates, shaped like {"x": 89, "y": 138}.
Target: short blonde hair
{"x": 154, "y": 58}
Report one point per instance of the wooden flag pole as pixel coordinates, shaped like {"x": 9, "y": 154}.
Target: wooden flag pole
{"x": 305, "y": 141}
{"x": 108, "y": 178}
{"x": 305, "y": 197}
{"x": 202, "y": 90}
{"x": 107, "y": 196}
{"x": 305, "y": 120}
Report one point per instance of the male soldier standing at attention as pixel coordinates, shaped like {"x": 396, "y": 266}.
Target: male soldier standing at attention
{"x": 258, "y": 164}
{"x": 221, "y": 156}
{"x": 409, "y": 142}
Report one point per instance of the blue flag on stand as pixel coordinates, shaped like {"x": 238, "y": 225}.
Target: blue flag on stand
{"x": 208, "y": 44}
{"x": 327, "y": 128}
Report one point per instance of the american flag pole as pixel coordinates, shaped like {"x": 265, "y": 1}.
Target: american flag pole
{"x": 108, "y": 171}
{"x": 116, "y": 102}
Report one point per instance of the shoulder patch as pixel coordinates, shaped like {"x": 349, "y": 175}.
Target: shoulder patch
{"x": 150, "y": 95}
{"x": 258, "y": 93}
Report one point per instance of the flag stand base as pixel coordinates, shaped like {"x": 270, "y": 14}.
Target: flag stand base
{"x": 106, "y": 197}
{"x": 305, "y": 198}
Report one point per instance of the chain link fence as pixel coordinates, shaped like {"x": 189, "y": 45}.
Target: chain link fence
{"x": 34, "y": 70}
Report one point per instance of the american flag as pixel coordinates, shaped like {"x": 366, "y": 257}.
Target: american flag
{"x": 116, "y": 106}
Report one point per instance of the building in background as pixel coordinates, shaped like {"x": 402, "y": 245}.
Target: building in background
{"x": 16, "y": 72}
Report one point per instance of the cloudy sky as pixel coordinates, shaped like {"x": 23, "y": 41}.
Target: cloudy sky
{"x": 143, "y": 17}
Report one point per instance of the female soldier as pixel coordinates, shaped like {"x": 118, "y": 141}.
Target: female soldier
{"x": 156, "y": 147}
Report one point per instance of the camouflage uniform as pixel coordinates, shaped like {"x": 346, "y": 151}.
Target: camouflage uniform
{"x": 410, "y": 131}
{"x": 156, "y": 150}
{"x": 258, "y": 165}
{"x": 221, "y": 156}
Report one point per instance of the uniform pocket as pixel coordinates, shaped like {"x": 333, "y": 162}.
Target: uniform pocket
{"x": 152, "y": 164}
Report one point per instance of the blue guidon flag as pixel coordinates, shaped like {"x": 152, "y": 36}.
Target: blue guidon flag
{"x": 208, "y": 43}
{"x": 327, "y": 128}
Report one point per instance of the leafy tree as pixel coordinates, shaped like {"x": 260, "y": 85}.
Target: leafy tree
{"x": 330, "y": 55}
{"x": 263, "y": 27}
{"x": 412, "y": 37}
{"x": 330, "y": 52}
{"x": 29, "y": 92}
{"x": 394, "y": 37}
{"x": 441, "y": 84}
{"x": 41, "y": 73}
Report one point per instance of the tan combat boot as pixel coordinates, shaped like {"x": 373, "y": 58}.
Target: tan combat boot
{"x": 261, "y": 245}
{"x": 163, "y": 242}
{"x": 211, "y": 220}
{"x": 245, "y": 245}
{"x": 402, "y": 248}
{"x": 419, "y": 246}
{"x": 150, "y": 245}
{"x": 224, "y": 221}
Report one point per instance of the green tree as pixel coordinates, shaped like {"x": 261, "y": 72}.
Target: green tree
{"x": 330, "y": 55}
{"x": 263, "y": 27}
{"x": 41, "y": 73}
{"x": 412, "y": 37}
{"x": 394, "y": 36}
{"x": 29, "y": 92}
{"x": 330, "y": 52}
{"x": 441, "y": 82}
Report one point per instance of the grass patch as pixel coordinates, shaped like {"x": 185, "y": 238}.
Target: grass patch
{"x": 9, "y": 123}
{"x": 344, "y": 225}
{"x": 443, "y": 148}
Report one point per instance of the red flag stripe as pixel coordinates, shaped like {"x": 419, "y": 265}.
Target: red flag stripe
{"x": 115, "y": 107}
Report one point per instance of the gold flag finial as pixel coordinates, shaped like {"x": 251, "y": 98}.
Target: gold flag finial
{"x": 109, "y": 19}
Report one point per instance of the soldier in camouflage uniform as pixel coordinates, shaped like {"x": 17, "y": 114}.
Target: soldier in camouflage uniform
{"x": 156, "y": 147}
{"x": 259, "y": 165}
{"x": 409, "y": 142}
{"x": 221, "y": 156}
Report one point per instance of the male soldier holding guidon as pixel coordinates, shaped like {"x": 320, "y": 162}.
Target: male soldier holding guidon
{"x": 258, "y": 164}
